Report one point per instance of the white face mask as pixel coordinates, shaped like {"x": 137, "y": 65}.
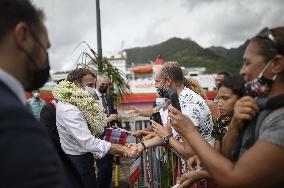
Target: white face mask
{"x": 36, "y": 95}
{"x": 161, "y": 102}
{"x": 90, "y": 90}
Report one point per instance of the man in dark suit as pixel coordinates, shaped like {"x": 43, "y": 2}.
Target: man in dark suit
{"x": 28, "y": 158}
{"x": 104, "y": 165}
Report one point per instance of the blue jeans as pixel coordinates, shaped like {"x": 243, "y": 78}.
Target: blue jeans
{"x": 85, "y": 166}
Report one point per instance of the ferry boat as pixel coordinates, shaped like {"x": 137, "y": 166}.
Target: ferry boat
{"x": 141, "y": 81}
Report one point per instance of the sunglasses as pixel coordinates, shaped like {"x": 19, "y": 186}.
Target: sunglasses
{"x": 266, "y": 33}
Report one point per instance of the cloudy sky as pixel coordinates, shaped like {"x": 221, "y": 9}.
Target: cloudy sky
{"x": 133, "y": 23}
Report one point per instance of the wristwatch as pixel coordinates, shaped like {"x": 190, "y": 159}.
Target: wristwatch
{"x": 143, "y": 144}
{"x": 167, "y": 138}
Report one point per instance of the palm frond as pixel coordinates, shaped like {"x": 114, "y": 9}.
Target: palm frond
{"x": 103, "y": 66}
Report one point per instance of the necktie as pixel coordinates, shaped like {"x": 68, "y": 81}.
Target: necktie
{"x": 104, "y": 104}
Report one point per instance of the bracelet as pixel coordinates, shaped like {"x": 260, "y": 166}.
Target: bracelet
{"x": 143, "y": 144}
{"x": 166, "y": 139}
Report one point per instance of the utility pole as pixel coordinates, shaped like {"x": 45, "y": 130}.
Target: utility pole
{"x": 99, "y": 37}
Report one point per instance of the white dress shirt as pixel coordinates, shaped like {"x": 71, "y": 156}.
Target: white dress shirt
{"x": 75, "y": 137}
{"x": 99, "y": 95}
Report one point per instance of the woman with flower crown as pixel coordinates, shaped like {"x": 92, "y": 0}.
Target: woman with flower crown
{"x": 79, "y": 119}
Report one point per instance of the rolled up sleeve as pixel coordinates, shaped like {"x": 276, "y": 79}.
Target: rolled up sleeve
{"x": 78, "y": 128}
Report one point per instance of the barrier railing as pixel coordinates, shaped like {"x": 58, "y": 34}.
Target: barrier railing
{"x": 160, "y": 166}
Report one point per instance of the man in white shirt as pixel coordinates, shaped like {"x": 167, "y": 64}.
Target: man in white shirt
{"x": 191, "y": 104}
{"x": 75, "y": 137}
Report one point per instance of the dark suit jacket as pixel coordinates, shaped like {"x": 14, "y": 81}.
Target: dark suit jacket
{"x": 28, "y": 158}
{"x": 48, "y": 120}
{"x": 111, "y": 110}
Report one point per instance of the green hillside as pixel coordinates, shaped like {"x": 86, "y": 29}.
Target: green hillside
{"x": 187, "y": 53}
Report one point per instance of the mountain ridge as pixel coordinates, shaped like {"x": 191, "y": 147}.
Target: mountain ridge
{"x": 189, "y": 54}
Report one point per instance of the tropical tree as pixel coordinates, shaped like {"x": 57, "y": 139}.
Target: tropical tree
{"x": 90, "y": 60}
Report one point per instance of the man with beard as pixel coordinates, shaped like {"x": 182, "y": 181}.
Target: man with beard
{"x": 28, "y": 158}
{"x": 220, "y": 77}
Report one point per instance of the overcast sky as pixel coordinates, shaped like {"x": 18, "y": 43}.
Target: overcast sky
{"x": 136, "y": 23}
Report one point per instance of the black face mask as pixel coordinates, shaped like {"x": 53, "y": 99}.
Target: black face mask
{"x": 218, "y": 86}
{"x": 163, "y": 93}
{"x": 103, "y": 89}
{"x": 38, "y": 77}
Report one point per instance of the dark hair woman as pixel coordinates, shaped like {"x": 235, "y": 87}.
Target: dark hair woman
{"x": 261, "y": 156}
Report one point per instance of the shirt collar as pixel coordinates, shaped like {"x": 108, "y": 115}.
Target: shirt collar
{"x": 183, "y": 92}
{"x": 98, "y": 93}
{"x": 13, "y": 84}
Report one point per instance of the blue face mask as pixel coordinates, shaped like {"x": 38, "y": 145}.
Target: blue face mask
{"x": 161, "y": 102}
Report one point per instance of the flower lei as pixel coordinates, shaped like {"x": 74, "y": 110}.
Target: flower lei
{"x": 93, "y": 111}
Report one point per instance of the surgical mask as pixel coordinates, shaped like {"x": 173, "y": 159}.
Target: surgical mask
{"x": 161, "y": 102}
{"x": 103, "y": 89}
{"x": 260, "y": 87}
{"x": 90, "y": 90}
{"x": 36, "y": 95}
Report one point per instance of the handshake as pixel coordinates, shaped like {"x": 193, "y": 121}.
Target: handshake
{"x": 133, "y": 150}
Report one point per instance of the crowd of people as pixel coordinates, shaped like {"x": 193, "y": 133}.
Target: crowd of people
{"x": 234, "y": 141}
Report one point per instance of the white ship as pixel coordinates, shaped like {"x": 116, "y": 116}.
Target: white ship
{"x": 141, "y": 81}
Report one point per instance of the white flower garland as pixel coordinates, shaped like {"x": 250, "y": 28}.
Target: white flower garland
{"x": 92, "y": 110}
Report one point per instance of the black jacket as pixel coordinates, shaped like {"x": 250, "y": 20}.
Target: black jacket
{"x": 28, "y": 157}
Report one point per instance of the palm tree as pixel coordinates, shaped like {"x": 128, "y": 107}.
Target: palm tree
{"x": 90, "y": 60}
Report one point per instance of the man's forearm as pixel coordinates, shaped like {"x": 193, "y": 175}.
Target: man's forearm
{"x": 156, "y": 141}
{"x": 146, "y": 113}
{"x": 149, "y": 112}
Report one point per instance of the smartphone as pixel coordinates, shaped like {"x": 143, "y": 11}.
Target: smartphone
{"x": 174, "y": 99}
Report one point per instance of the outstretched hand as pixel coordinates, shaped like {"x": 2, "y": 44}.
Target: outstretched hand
{"x": 132, "y": 150}
{"x": 160, "y": 130}
{"x": 134, "y": 112}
